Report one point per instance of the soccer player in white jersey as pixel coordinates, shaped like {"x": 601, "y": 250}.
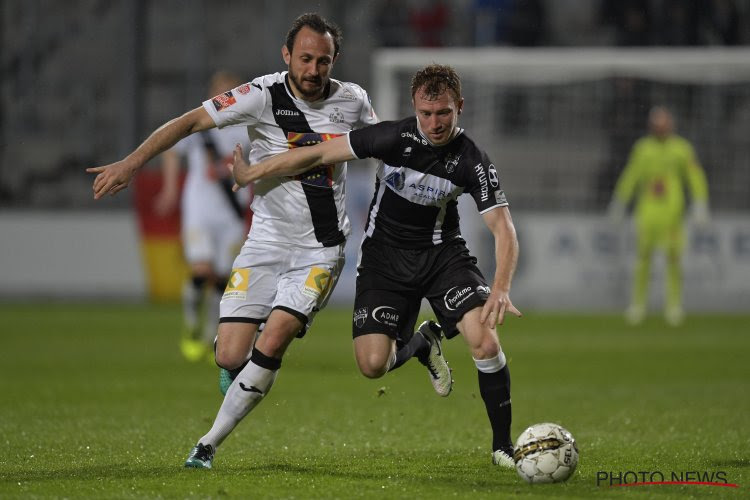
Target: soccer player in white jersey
{"x": 413, "y": 247}
{"x": 295, "y": 249}
{"x": 213, "y": 221}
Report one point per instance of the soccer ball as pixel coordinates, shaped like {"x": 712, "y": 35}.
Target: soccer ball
{"x": 545, "y": 453}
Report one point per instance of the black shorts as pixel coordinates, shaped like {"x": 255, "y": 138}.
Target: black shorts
{"x": 391, "y": 283}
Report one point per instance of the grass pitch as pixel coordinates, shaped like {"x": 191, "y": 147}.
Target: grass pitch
{"x": 97, "y": 403}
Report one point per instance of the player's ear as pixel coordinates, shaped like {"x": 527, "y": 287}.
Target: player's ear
{"x": 460, "y": 105}
{"x": 286, "y": 55}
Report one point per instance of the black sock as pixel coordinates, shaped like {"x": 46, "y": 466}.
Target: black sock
{"x": 495, "y": 391}
{"x": 417, "y": 346}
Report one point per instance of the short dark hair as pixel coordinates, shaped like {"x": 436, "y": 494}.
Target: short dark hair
{"x": 436, "y": 79}
{"x": 317, "y": 23}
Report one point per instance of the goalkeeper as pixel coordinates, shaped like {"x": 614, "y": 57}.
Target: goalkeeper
{"x": 660, "y": 167}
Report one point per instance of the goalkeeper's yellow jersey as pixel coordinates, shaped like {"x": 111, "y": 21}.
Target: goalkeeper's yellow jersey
{"x": 657, "y": 173}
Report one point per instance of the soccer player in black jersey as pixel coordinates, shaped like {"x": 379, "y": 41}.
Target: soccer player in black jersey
{"x": 413, "y": 247}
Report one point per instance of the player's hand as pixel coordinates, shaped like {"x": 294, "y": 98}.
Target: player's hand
{"x": 112, "y": 178}
{"x": 239, "y": 168}
{"x": 498, "y": 303}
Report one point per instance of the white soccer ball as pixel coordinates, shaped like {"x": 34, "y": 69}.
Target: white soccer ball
{"x": 545, "y": 453}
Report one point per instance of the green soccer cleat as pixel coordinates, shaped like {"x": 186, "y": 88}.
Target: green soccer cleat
{"x": 200, "y": 457}
{"x": 225, "y": 380}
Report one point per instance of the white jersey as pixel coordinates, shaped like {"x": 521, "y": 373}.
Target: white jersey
{"x": 307, "y": 210}
{"x": 207, "y": 154}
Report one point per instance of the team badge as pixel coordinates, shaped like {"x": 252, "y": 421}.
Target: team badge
{"x": 360, "y": 315}
{"x": 237, "y": 285}
{"x": 336, "y": 116}
{"x": 451, "y": 162}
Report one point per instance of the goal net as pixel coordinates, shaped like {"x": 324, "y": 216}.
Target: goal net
{"x": 560, "y": 122}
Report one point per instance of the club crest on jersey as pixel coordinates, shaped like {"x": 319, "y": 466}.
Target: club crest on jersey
{"x": 451, "y": 162}
{"x": 395, "y": 180}
{"x": 223, "y": 101}
{"x": 336, "y": 116}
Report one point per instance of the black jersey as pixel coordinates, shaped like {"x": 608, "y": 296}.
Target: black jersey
{"x": 415, "y": 202}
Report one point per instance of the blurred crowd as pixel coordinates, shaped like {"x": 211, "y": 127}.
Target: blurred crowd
{"x": 530, "y": 23}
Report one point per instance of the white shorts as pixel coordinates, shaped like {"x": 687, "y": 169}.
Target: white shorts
{"x": 214, "y": 243}
{"x": 267, "y": 276}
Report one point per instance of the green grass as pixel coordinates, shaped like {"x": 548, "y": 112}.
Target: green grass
{"x": 96, "y": 402}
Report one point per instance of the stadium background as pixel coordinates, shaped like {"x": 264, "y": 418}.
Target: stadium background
{"x": 83, "y": 82}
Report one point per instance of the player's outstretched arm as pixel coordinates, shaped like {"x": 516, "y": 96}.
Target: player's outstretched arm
{"x": 292, "y": 162}
{"x": 506, "y": 256}
{"x": 115, "y": 177}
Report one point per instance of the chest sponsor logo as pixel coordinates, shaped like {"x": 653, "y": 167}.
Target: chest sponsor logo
{"x": 321, "y": 176}
{"x": 237, "y": 286}
{"x": 482, "y": 178}
{"x": 386, "y": 315}
{"x": 500, "y": 197}
{"x": 223, "y": 101}
{"x": 317, "y": 282}
{"x": 456, "y": 296}
{"x": 451, "y": 162}
{"x": 360, "y": 315}
{"x": 336, "y": 116}
{"x": 427, "y": 192}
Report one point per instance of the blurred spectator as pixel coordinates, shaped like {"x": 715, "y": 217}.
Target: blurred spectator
{"x": 391, "y": 24}
{"x": 428, "y": 21}
{"x": 509, "y": 22}
{"x": 724, "y": 19}
{"x": 631, "y": 20}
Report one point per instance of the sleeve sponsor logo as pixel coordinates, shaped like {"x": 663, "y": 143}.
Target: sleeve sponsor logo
{"x": 386, "y": 315}
{"x": 317, "y": 282}
{"x": 494, "y": 182}
{"x": 500, "y": 197}
{"x": 223, "y": 101}
{"x": 237, "y": 286}
{"x": 482, "y": 178}
{"x": 244, "y": 89}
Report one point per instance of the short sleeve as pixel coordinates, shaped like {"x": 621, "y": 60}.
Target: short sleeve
{"x": 484, "y": 184}
{"x": 374, "y": 141}
{"x": 242, "y": 105}
{"x": 367, "y": 116}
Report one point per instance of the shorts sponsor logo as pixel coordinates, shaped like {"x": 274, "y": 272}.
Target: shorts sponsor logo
{"x": 237, "y": 285}
{"x": 457, "y": 296}
{"x": 317, "y": 282}
{"x": 223, "y": 101}
{"x": 386, "y": 315}
{"x": 360, "y": 315}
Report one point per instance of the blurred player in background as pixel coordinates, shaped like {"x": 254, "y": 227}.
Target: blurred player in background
{"x": 213, "y": 221}
{"x": 413, "y": 247}
{"x": 660, "y": 167}
{"x": 294, "y": 252}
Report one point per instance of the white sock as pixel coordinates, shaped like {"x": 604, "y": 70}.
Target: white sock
{"x": 239, "y": 402}
{"x": 191, "y": 301}
{"x": 491, "y": 365}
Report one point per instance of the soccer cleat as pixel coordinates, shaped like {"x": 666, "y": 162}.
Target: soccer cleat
{"x": 674, "y": 315}
{"x": 200, "y": 456}
{"x": 225, "y": 380}
{"x": 504, "y": 459}
{"x": 440, "y": 372}
{"x": 635, "y": 314}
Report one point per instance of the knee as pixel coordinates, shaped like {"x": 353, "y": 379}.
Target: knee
{"x": 486, "y": 349}
{"x": 372, "y": 366}
{"x": 228, "y": 359}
